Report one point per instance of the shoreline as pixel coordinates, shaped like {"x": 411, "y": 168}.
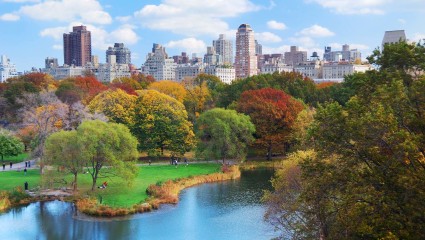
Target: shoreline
{"x": 166, "y": 193}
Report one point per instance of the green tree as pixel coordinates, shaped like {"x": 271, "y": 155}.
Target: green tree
{"x": 108, "y": 148}
{"x": 64, "y": 149}
{"x": 160, "y": 122}
{"x": 223, "y": 134}
{"x": 9, "y": 144}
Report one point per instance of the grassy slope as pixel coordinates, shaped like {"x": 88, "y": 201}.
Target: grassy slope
{"x": 118, "y": 193}
{"x": 15, "y": 159}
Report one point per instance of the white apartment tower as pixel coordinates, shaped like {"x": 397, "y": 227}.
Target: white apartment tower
{"x": 7, "y": 69}
{"x": 246, "y": 60}
{"x": 158, "y": 65}
{"x": 224, "y": 48}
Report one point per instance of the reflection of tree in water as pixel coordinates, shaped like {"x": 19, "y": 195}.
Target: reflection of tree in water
{"x": 247, "y": 190}
{"x": 56, "y": 222}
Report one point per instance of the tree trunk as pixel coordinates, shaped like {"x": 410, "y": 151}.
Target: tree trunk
{"x": 269, "y": 151}
{"x": 75, "y": 182}
{"x": 93, "y": 187}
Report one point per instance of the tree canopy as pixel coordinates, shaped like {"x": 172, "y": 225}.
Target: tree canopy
{"x": 223, "y": 134}
{"x": 160, "y": 122}
{"x": 273, "y": 113}
{"x": 9, "y": 144}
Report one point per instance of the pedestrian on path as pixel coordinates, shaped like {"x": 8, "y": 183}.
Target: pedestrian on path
{"x": 10, "y": 164}
{"x": 26, "y": 164}
{"x": 25, "y": 171}
{"x": 29, "y": 163}
{"x": 4, "y": 166}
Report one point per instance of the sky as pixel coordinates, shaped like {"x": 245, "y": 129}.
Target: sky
{"x": 32, "y": 30}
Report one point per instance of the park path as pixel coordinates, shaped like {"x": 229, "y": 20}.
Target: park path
{"x": 17, "y": 166}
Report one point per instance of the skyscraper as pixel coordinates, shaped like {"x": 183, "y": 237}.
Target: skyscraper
{"x": 224, "y": 48}
{"x": 246, "y": 60}
{"x": 123, "y": 54}
{"x": 77, "y": 46}
{"x": 393, "y": 37}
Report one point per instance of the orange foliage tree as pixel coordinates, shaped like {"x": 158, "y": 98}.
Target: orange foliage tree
{"x": 273, "y": 113}
{"x": 90, "y": 87}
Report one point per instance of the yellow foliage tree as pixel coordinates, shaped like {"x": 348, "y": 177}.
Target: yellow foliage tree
{"x": 170, "y": 88}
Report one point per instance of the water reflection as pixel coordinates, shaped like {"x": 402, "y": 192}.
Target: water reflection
{"x": 225, "y": 210}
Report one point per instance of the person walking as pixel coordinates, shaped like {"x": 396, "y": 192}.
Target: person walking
{"x": 25, "y": 171}
{"x": 4, "y": 166}
{"x": 29, "y": 163}
{"x": 10, "y": 164}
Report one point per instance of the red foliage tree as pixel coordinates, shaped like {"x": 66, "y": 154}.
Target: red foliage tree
{"x": 90, "y": 87}
{"x": 273, "y": 113}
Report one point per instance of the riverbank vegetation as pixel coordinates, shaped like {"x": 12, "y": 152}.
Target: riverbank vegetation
{"x": 361, "y": 173}
{"x": 118, "y": 193}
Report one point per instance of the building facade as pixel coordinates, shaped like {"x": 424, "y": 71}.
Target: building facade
{"x": 295, "y": 57}
{"x": 158, "y": 65}
{"x": 393, "y": 37}
{"x": 225, "y": 73}
{"x": 336, "y": 71}
{"x": 123, "y": 54}
{"x": 346, "y": 54}
{"x": 112, "y": 70}
{"x": 246, "y": 59}
{"x": 7, "y": 69}
{"x": 224, "y": 48}
{"x": 77, "y": 46}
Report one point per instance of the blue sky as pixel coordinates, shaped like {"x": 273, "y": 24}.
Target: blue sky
{"x": 31, "y": 30}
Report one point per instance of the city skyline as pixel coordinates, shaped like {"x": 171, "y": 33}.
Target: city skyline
{"x": 36, "y": 27}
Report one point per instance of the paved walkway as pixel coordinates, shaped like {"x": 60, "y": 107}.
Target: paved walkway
{"x": 17, "y": 166}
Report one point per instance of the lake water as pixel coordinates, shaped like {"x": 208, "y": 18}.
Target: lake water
{"x": 224, "y": 210}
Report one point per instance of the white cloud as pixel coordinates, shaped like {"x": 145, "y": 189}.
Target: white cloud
{"x": 316, "y": 31}
{"x": 123, "y": 19}
{"x": 9, "y": 17}
{"x": 353, "y": 6}
{"x": 21, "y": 1}
{"x": 280, "y": 49}
{"x": 125, "y": 34}
{"x": 193, "y": 17}
{"x": 90, "y": 11}
{"x": 189, "y": 45}
{"x": 305, "y": 42}
{"x": 267, "y": 37}
{"x": 402, "y": 21}
{"x": 101, "y": 39}
{"x": 58, "y": 47}
{"x": 419, "y": 37}
{"x": 276, "y": 25}
{"x": 56, "y": 33}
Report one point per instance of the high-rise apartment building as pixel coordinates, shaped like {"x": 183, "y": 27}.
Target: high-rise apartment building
{"x": 158, "y": 65}
{"x": 51, "y": 63}
{"x": 7, "y": 69}
{"x": 224, "y": 48}
{"x": 295, "y": 57}
{"x": 246, "y": 60}
{"x": 393, "y": 37}
{"x": 77, "y": 46}
{"x": 347, "y": 54}
{"x": 123, "y": 54}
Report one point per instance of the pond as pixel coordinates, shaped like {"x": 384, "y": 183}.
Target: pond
{"x": 223, "y": 210}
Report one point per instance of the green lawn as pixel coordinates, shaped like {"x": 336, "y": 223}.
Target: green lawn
{"x": 118, "y": 193}
{"x": 15, "y": 159}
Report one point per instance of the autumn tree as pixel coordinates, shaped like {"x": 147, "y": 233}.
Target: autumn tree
{"x": 143, "y": 80}
{"x": 171, "y": 88}
{"x": 273, "y": 113}
{"x": 223, "y": 134}
{"x": 108, "y": 145}
{"x": 129, "y": 85}
{"x": 90, "y": 87}
{"x": 117, "y": 105}
{"x": 160, "y": 122}
{"x": 9, "y": 144}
